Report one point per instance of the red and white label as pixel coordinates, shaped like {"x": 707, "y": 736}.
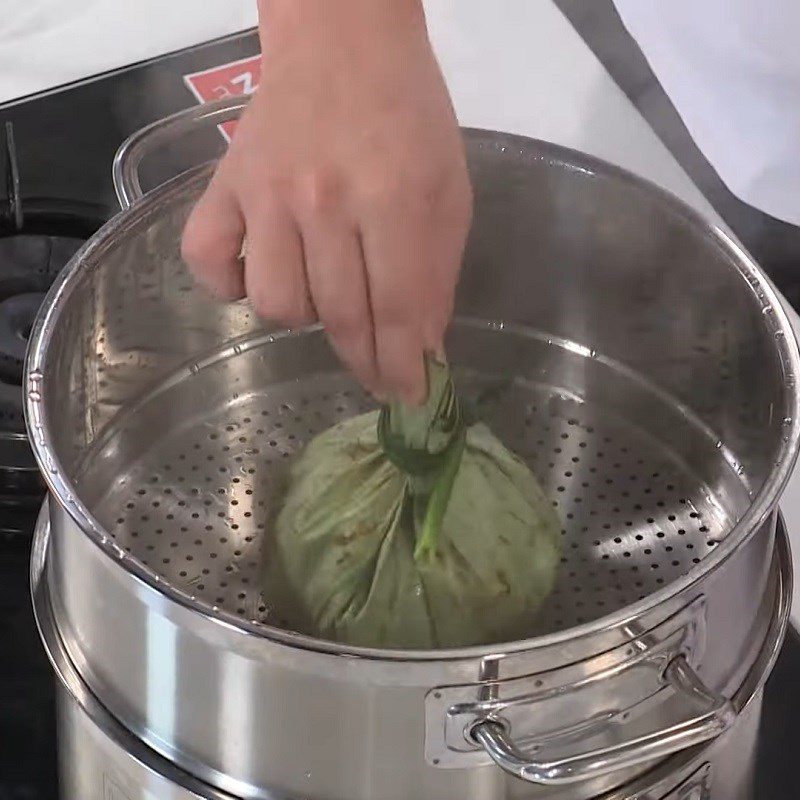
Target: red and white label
{"x": 236, "y": 79}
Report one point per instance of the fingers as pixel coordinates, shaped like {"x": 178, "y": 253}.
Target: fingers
{"x": 397, "y": 294}
{"x": 443, "y": 255}
{"x": 441, "y": 264}
{"x": 211, "y": 242}
{"x": 275, "y": 276}
{"x": 413, "y": 248}
{"x": 338, "y": 282}
{"x": 380, "y": 275}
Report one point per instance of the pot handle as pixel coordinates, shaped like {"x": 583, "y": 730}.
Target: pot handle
{"x": 125, "y": 170}
{"x": 715, "y": 715}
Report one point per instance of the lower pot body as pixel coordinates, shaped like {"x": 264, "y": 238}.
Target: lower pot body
{"x": 100, "y": 760}
{"x": 263, "y": 719}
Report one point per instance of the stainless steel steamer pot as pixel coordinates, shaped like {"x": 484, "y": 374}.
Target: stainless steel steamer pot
{"x": 633, "y": 354}
{"x": 100, "y": 759}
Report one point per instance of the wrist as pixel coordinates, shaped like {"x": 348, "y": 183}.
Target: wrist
{"x": 282, "y": 21}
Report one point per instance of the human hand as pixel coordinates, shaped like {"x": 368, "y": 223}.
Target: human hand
{"x": 347, "y": 175}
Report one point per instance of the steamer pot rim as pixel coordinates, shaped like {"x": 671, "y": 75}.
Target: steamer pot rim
{"x": 762, "y": 505}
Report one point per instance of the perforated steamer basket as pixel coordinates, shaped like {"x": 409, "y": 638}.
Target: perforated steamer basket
{"x": 633, "y": 355}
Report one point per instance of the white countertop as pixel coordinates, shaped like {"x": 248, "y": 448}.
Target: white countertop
{"x": 514, "y": 65}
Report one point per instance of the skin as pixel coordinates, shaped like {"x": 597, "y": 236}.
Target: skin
{"x": 347, "y": 174}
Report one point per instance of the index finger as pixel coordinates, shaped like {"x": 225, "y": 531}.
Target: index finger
{"x": 396, "y": 283}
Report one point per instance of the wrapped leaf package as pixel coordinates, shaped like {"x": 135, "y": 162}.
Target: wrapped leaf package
{"x": 409, "y": 529}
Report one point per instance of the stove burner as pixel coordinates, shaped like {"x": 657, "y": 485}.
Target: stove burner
{"x": 28, "y": 266}
{"x": 29, "y": 263}
{"x": 38, "y": 236}
{"x": 17, "y": 314}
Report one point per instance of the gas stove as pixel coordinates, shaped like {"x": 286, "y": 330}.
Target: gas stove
{"x": 38, "y": 236}
{"x": 56, "y": 151}
{"x": 55, "y": 191}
